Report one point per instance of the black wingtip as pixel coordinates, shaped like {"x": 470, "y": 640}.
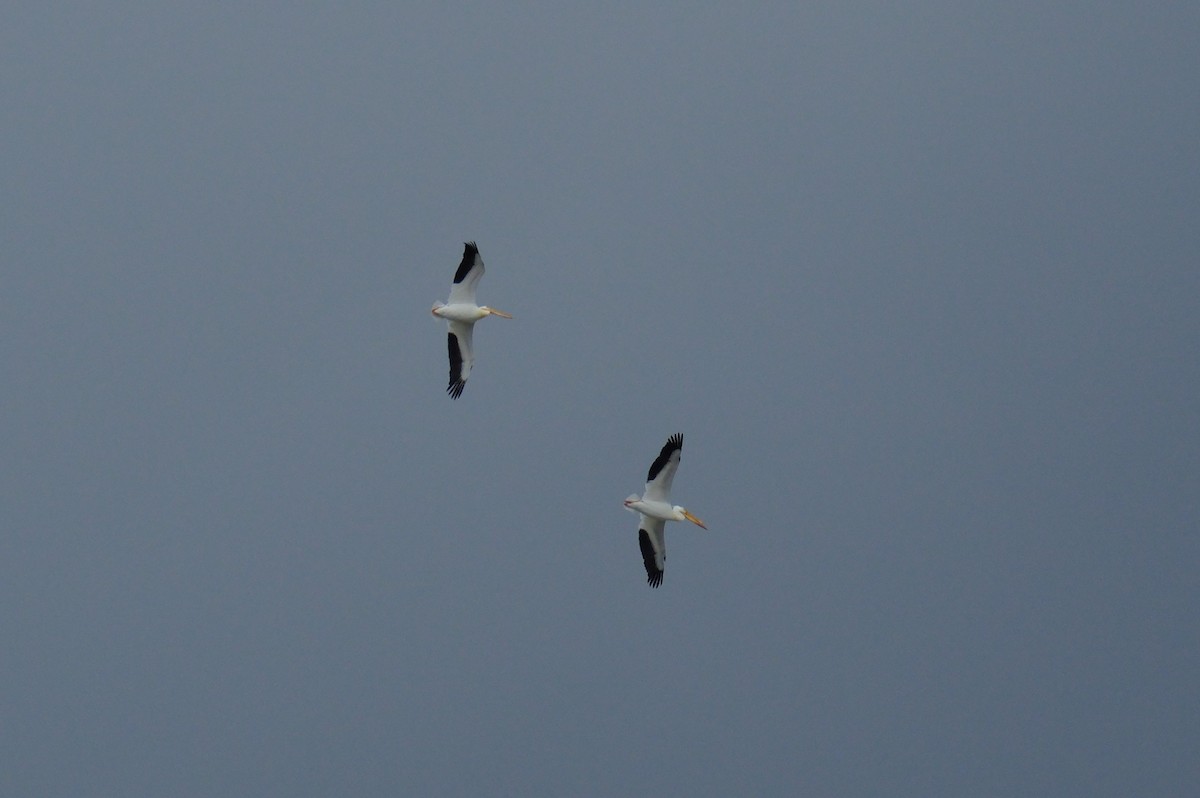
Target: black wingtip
{"x": 654, "y": 576}
{"x": 470, "y": 253}
{"x": 673, "y": 444}
{"x": 456, "y": 385}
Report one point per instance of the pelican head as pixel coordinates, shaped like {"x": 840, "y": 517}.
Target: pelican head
{"x": 492, "y": 311}
{"x": 684, "y": 514}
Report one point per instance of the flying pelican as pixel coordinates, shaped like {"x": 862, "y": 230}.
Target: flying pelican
{"x": 461, "y": 313}
{"x": 655, "y": 509}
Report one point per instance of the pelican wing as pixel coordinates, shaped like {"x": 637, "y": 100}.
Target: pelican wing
{"x": 467, "y": 276}
{"x": 459, "y": 344}
{"x": 653, "y": 542}
{"x": 662, "y": 470}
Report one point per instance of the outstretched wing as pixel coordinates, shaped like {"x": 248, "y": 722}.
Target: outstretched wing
{"x": 662, "y": 470}
{"x": 467, "y": 276}
{"x": 653, "y": 542}
{"x": 459, "y": 344}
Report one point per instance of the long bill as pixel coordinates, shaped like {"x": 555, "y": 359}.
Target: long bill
{"x": 499, "y": 313}
{"x": 694, "y": 519}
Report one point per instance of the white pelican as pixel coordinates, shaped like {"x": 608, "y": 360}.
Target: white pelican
{"x": 461, "y": 313}
{"x": 655, "y": 509}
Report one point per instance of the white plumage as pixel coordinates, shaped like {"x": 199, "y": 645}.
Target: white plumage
{"x": 655, "y": 509}
{"x": 461, "y": 313}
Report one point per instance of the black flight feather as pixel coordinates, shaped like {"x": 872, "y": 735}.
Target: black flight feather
{"x": 455, "y": 388}
{"x": 654, "y": 576}
{"x": 673, "y": 444}
{"x": 470, "y": 253}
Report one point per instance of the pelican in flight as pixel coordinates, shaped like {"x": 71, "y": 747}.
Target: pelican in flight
{"x": 461, "y": 313}
{"x": 655, "y": 509}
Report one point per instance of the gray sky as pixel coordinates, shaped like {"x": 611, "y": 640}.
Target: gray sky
{"x": 918, "y": 284}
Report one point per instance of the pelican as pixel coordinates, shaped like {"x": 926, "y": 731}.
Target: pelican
{"x": 655, "y": 509}
{"x": 461, "y": 313}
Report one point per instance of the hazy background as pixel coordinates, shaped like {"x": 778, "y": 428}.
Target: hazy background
{"x": 918, "y": 282}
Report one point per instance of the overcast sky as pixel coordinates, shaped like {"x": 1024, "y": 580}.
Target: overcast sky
{"x": 918, "y": 283}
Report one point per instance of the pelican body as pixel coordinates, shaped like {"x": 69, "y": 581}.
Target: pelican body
{"x": 461, "y": 313}
{"x": 655, "y": 510}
